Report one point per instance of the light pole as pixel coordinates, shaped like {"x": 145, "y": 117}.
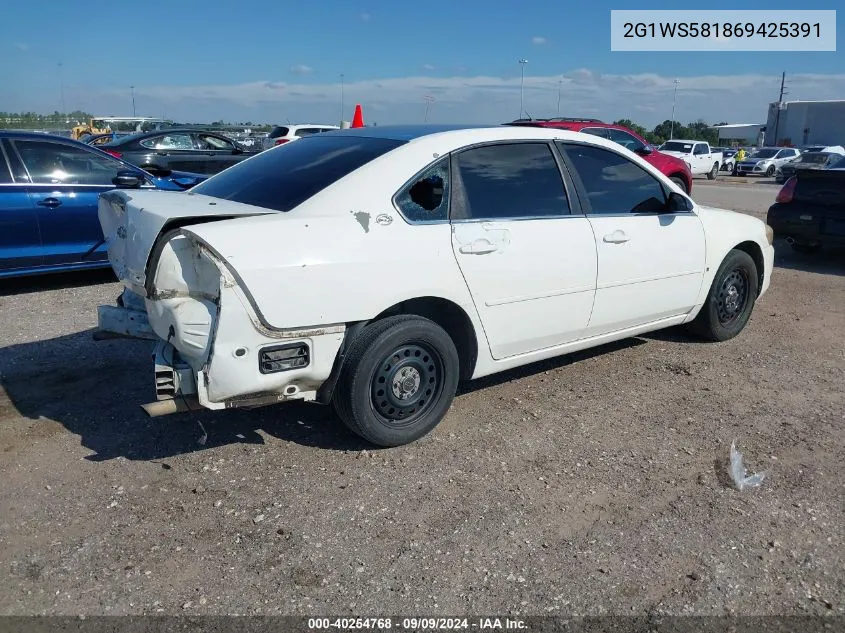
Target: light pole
{"x": 341, "y": 96}
{"x": 132, "y": 88}
{"x": 559, "y": 82}
{"x": 674, "y": 94}
{"x": 428, "y": 100}
{"x": 62, "y": 87}
{"x": 522, "y": 63}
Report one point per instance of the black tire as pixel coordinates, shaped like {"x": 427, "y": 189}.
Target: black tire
{"x": 711, "y": 175}
{"x": 680, "y": 182}
{"x": 806, "y": 248}
{"x": 731, "y": 299}
{"x": 426, "y": 374}
{"x": 770, "y": 171}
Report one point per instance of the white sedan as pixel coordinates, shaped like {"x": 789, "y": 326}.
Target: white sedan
{"x": 374, "y": 268}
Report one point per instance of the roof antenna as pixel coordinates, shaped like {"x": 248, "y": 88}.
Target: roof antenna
{"x": 530, "y": 118}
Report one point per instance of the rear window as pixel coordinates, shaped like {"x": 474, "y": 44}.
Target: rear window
{"x": 278, "y": 131}
{"x": 283, "y": 178}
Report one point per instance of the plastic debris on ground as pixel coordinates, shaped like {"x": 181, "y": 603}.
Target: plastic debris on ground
{"x": 741, "y": 478}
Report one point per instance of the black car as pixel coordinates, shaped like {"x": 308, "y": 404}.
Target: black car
{"x": 177, "y": 149}
{"x": 809, "y": 211}
{"x": 808, "y": 160}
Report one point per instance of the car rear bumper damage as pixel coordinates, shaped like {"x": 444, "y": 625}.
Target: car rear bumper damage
{"x": 211, "y": 349}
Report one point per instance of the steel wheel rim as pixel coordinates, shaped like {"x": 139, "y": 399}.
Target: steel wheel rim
{"x": 732, "y": 297}
{"x": 406, "y": 384}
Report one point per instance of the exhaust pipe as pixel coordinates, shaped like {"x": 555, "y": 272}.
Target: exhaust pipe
{"x": 790, "y": 240}
{"x": 174, "y": 405}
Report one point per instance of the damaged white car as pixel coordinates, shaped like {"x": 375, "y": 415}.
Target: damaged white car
{"x": 374, "y": 268}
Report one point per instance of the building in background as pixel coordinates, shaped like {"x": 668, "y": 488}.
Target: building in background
{"x": 743, "y": 134}
{"x": 801, "y": 123}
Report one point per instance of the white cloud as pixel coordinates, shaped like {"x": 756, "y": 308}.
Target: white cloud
{"x": 301, "y": 69}
{"x": 21, "y": 46}
{"x": 428, "y": 67}
{"x": 538, "y": 40}
{"x": 365, "y": 17}
{"x": 646, "y": 98}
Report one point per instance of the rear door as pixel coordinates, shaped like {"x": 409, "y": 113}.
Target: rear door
{"x": 528, "y": 257}
{"x": 650, "y": 260}
{"x": 20, "y": 240}
{"x": 64, "y": 182}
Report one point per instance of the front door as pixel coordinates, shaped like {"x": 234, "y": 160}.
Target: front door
{"x": 529, "y": 263}
{"x": 650, "y": 260}
{"x": 221, "y": 152}
{"x": 65, "y": 182}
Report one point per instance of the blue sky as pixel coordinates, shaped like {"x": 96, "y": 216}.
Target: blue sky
{"x": 273, "y": 61}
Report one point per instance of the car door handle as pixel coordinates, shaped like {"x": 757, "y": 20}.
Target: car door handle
{"x": 479, "y": 247}
{"x": 52, "y": 203}
{"x": 617, "y": 237}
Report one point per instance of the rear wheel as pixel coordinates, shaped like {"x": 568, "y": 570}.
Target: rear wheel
{"x": 398, "y": 381}
{"x": 731, "y": 299}
{"x": 714, "y": 171}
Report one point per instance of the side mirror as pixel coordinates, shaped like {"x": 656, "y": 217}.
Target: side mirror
{"x": 678, "y": 202}
{"x": 645, "y": 150}
{"x": 128, "y": 180}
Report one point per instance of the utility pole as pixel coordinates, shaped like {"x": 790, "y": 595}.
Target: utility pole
{"x": 674, "y": 95}
{"x": 559, "y": 82}
{"x": 522, "y": 63}
{"x": 428, "y": 100}
{"x": 780, "y": 105}
{"x": 341, "y": 96}
{"x": 132, "y": 88}
{"x": 62, "y": 87}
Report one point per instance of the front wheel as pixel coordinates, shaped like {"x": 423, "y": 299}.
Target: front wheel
{"x": 731, "y": 299}
{"x": 770, "y": 171}
{"x": 398, "y": 380}
{"x": 680, "y": 182}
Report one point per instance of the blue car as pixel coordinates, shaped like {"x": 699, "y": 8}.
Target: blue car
{"x": 49, "y": 188}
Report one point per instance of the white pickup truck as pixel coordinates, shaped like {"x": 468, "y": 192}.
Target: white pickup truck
{"x": 697, "y": 154}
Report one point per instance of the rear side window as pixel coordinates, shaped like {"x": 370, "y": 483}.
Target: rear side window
{"x": 518, "y": 180}
{"x": 286, "y": 177}
{"x": 169, "y": 141}
{"x": 595, "y": 131}
{"x": 278, "y": 131}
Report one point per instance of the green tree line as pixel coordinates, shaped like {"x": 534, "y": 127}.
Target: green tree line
{"x": 696, "y": 131}
{"x": 34, "y": 121}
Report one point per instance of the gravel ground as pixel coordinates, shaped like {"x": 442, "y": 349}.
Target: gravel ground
{"x": 592, "y": 484}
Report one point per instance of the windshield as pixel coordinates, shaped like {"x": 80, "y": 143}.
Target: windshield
{"x": 764, "y": 153}
{"x": 675, "y": 146}
{"x": 286, "y": 176}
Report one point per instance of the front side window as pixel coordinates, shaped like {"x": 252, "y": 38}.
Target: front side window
{"x": 209, "y": 142}
{"x": 519, "y": 180}
{"x": 700, "y": 149}
{"x": 426, "y": 199}
{"x": 613, "y": 183}
{"x": 59, "y": 164}
{"x": 284, "y": 179}
{"x": 625, "y": 139}
{"x": 169, "y": 141}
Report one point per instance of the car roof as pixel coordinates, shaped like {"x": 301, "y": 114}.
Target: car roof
{"x": 407, "y": 132}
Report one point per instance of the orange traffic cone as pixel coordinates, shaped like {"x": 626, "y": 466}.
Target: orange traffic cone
{"x": 358, "y": 117}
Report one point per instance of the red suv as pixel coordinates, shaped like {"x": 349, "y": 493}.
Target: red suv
{"x": 677, "y": 170}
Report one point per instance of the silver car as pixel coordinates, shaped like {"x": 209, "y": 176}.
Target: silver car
{"x": 765, "y": 161}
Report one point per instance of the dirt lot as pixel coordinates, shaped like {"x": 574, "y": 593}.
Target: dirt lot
{"x": 592, "y": 484}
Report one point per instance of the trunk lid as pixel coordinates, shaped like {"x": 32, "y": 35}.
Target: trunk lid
{"x": 823, "y": 187}
{"x": 133, "y": 219}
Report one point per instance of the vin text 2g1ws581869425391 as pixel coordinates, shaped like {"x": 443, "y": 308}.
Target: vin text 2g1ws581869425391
{"x": 375, "y": 268}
